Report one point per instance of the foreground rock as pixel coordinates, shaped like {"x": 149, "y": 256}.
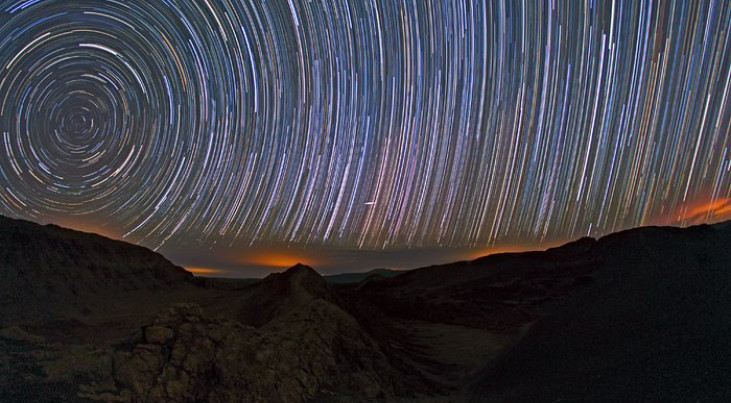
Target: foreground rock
{"x": 185, "y": 356}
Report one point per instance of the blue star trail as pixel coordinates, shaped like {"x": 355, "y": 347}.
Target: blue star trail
{"x": 371, "y": 125}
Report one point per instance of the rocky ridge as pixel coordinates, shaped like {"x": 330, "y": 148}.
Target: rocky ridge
{"x": 49, "y": 271}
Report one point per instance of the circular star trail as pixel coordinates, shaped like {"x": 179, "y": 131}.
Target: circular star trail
{"x": 365, "y": 124}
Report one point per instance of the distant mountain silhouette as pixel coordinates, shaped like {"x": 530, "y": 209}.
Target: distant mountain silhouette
{"x": 637, "y": 315}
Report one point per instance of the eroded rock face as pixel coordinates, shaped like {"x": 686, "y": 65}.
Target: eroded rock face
{"x": 185, "y": 356}
{"x": 49, "y": 272}
{"x": 279, "y": 293}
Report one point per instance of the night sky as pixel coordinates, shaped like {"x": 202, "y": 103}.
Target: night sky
{"x": 247, "y": 135}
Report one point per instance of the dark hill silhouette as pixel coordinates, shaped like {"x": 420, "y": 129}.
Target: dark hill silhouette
{"x": 497, "y": 292}
{"x": 654, "y": 325}
{"x": 637, "y": 315}
{"x": 47, "y": 271}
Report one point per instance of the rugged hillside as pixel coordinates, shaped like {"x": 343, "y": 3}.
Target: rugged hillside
{"x": 284, "y": 338}
{"x": 304, "y": 347}
{"x": 637, "y": 315}
{"x": 47, "y": 271}
{"x": 654, "y": 325}
{"x": 185, "y": 355}
{"x": 78, "y": 323}
{"x": 498, "y": 292}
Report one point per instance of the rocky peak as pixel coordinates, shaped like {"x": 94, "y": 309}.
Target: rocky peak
{"x": 298, "y": 281}
{"x": 300, "y": 268}
{"x": 280, "y": 292}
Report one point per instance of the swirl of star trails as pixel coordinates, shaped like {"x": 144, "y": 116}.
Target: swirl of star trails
{"x": 365, "y": 124}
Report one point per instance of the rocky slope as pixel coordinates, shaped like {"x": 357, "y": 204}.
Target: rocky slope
{"x": 498, "y": 292}
{"x": 305, "y": 349}
{"x": 279, "y": 293}
{"x": 49, "y": 271}
{"x": 281, "y": 339}
{"x": 654, "y": 325}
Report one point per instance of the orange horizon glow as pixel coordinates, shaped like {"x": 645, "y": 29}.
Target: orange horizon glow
{"x": 699, "y": 212}
{"x": 278, "y": 260}
{"x": 203, "y": 270}
{"x": 718, "y": 208}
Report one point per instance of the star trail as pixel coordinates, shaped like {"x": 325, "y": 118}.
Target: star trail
{"x": 364, "y": 125}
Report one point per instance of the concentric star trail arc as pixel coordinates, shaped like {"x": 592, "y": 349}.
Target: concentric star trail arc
{"x": 365, "y": 124}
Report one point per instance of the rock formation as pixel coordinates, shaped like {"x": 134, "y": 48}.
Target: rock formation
{"x": 49, "y": 271}
{"x": 309, "y": 348}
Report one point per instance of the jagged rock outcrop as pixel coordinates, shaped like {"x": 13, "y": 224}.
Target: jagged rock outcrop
{"x": 186, "y": 356}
